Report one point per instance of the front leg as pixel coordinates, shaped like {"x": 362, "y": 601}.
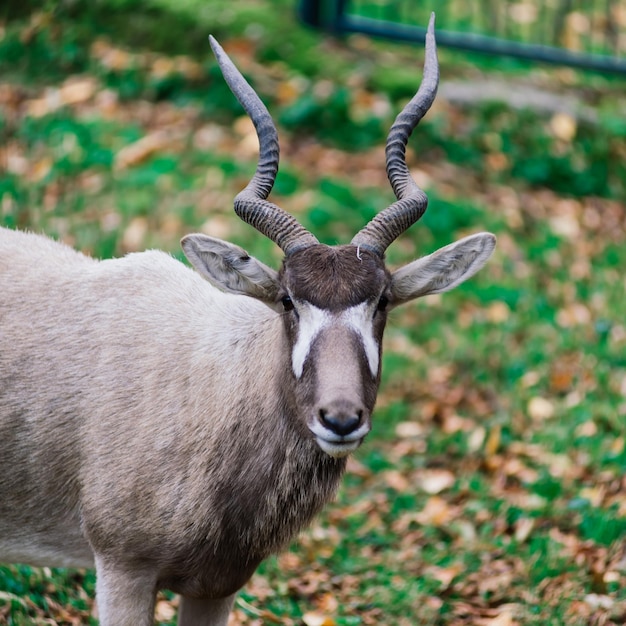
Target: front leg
{"x": 125, "y": 597}
{"x": 202, "y": 612}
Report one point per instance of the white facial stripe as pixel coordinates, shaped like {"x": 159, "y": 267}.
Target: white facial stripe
{"x": 312, "y": 320}
{"x": 359, "y": 319}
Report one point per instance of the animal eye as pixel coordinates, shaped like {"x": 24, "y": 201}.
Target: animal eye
{"x": 287, "y": 303}
{"x": 382, "y": 303}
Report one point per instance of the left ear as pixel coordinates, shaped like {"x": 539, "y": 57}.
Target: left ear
{"x": 230, "y": 267}
{"x": 442, "y": 270}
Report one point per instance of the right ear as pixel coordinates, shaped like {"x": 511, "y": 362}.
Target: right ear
{"x": 231, "y": 268}
{"x": 442, "y": 270}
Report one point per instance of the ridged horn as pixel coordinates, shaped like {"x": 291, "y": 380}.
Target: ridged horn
{"x": 411, "y": 200}
{"x": 251, "y": 204}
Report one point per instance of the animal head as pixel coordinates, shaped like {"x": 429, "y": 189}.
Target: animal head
{"x": 334, "y": 300}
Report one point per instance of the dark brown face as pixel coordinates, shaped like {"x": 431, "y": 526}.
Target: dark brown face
{"x": 335, "y": 303}
{"x": 334, "y": 278}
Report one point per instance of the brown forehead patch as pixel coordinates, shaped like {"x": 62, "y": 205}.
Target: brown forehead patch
{"x": 334, "y": 277}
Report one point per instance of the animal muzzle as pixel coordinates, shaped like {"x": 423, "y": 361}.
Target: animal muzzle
{"x": 340, "y": 426}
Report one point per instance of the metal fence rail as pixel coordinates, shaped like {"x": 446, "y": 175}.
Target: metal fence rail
{"x": 588, "y": 34}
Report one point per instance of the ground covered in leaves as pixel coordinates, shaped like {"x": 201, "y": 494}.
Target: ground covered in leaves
{"x": 492, "y": 490}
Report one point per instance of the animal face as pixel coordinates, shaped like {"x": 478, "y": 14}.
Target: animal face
{"x": 335, "y": 304}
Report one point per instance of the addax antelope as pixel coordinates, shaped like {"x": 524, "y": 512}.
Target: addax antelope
{"x": 174, "y": 427}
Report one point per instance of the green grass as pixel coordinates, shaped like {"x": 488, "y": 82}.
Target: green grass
{"x": 492, "y": 486}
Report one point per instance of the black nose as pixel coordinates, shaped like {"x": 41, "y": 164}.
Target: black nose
{"x": 341, "y": 422}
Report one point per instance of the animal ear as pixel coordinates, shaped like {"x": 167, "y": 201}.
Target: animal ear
{"x": 230, "y": 267}
{"x": 443, "y": 270}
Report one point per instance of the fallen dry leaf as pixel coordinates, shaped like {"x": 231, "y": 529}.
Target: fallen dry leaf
{"x": 142, "y": 149}
{"x": 476, "y": 439}
{"x": 317, "y": 619}
{"x": 498, "y": 312}
{"x": 566, "y": 226}
{"x": 77, "y": 91}
{"x": 164, "y": 611}
{"x": 596, "y": 601}
{"x": 540, "y": 409}
{"x": 563, "y": 126}
{"x": 436, "y": 512}
{"x": 267, "y": 616}
{"x": 493, "y": 441}
{"x": 504, "y": 619}
{"x": 574, "y": 314}
{"x": 396, "y": 480}
{"x": 435, "y": 481}
{"x": 409, "y": 429}
{"x": 523, "y": 527}
{"x": 444, "y": 575}
{"x": 587, "y": 429}
{"x": 327, "y": 603}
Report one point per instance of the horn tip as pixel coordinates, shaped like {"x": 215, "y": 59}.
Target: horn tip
{"x": 431, "y": 24}
{"x": 215, "y": 46}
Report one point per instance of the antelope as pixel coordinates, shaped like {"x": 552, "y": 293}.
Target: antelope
{"x": 174, "y": 427}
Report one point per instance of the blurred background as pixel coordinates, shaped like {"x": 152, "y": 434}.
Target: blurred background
{"x": 492, "y": 490}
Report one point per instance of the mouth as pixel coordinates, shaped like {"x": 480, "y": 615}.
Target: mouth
{"x": 336, "y": 445}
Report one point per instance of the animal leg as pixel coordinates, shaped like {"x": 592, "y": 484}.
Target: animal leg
{"x": 125, "y": 597}
{"x": 202, "y": 612}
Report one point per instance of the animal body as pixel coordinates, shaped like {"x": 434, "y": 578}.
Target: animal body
{"x": 172, "y": 427}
